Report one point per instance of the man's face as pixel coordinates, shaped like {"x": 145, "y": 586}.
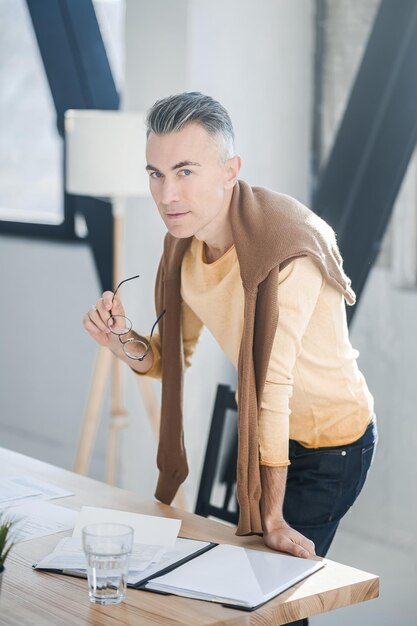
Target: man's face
{"x": 189, "y": 181}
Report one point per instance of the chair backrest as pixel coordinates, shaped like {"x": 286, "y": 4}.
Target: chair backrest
{"x": 219, "y": 467}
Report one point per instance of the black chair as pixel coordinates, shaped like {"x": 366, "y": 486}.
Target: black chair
{"x": 220, "y": 461}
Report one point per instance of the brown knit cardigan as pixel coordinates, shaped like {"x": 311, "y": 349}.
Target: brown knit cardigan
{"x": 269, "y": 230}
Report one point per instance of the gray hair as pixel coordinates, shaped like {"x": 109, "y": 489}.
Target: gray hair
{"x": 174, "y": 112}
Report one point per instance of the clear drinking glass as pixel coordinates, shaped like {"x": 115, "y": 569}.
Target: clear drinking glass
{"x": 107, "y": 547}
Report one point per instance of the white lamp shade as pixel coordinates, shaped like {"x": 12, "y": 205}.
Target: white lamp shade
{"x": 105, "y": 153}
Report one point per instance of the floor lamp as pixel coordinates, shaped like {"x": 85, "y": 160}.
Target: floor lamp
{"x": 105, "y": 157}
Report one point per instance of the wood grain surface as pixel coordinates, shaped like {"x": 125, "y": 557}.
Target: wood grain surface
{"x": 30, "y": 597}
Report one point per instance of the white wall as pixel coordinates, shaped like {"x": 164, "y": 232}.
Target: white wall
{"x": 257, "y": 59}
{"x": 46, "y": 359}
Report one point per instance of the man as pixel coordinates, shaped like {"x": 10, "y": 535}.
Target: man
{"x": 234, "y": 257}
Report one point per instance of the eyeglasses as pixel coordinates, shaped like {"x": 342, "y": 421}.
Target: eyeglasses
{"x": 136, "y": 349}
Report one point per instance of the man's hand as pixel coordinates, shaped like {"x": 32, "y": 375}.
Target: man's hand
{"x": 98, "y": 319}
{"x": 106, "y": 314}
{"x": 278, "y": 535}
{"x": 285, "y": 539}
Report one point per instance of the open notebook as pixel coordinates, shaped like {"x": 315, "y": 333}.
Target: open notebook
{"x": 234, "y": 576}
{"x": 240, "y": 577}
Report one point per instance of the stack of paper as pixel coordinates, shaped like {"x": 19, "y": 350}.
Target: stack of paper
{"x": 156, "y": 545}
{"x": 69, "y": 555}
{"x": 24, "y": 499}
{"x": 25, "y": 489}
{"x": 145, "y": 562}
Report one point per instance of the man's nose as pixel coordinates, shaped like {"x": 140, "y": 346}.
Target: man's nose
{"x": 170, "y": 191}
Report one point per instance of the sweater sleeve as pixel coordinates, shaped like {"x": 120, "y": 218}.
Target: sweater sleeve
{"x": 300, "y": 284}
{"x": 191, "y": 330}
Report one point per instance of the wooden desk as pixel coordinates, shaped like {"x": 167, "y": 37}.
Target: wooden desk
{"x": 31, "y": 597}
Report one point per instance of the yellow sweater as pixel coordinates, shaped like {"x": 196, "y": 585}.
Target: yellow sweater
{"x": 314, "y": 392}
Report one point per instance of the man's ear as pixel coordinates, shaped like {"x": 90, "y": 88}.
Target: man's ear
{"x": 231, "y": 171}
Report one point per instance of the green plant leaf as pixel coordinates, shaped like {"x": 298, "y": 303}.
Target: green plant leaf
{"x": 6, "y": 542}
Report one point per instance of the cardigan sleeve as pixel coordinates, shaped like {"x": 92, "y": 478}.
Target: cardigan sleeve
{"x": 191, "y": 330}
{"x": 299, "y": 288}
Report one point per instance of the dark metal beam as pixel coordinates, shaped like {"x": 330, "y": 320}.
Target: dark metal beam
{"x": 375, "y": 141}
{"x": 319, "y": 59}
{"x": 74, "y": 56}
{"x": 79, "y": 77}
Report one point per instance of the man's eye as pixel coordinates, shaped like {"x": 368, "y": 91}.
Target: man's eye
{"x": 184, "y": 172}
{"x": 155, "y": 174}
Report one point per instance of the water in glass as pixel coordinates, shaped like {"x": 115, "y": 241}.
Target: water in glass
{"x": 107, "y": 578}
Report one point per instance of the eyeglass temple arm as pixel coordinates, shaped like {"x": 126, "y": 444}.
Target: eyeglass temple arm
{"x": 156, "y": 321}
{"x": 124, "y": 281}
{"x": 150, "y": 336}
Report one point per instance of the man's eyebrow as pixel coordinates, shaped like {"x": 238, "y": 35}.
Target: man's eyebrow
{"x": 177, "y": 166}
{"x": 184, "y": 164}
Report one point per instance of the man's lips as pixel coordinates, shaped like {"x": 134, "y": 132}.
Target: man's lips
{"x": 177, "y": 215}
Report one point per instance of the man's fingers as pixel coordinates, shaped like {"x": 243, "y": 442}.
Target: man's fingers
{"x": 90, "y": 327}
{"x": 302, "y": 553}
{"x": 96, "y": 319}
{"x": 290, "y": 541}
{"x": 112, "y": 304}
{"x": 303, "y": 546}
{"x": 306, "y": 547}
{"x": 104, "y": 313}
{"x": 285, "y": 544}
{"x": 298, "y": 550}
{"x": 95, "y": 332}
{"x": 311, "y": 546}
{"x": 107, "y": 300}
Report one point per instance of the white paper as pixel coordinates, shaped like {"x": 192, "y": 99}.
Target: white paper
{"x": 46, "y": 490}
{"x": 148, "y": 529}
{"x": 235, "y": 575}
{"x": 25, "y": 489}
{"x": 144, "y": 562}
{"x": 69, "y": 555}
{"x": 39, "y": 519}
{"x": 10, "y": 491}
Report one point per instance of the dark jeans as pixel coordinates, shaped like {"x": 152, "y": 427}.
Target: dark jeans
{"x": 322, "y": 485}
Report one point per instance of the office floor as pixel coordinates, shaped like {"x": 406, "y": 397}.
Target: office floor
{"x": 398, "y": 583}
